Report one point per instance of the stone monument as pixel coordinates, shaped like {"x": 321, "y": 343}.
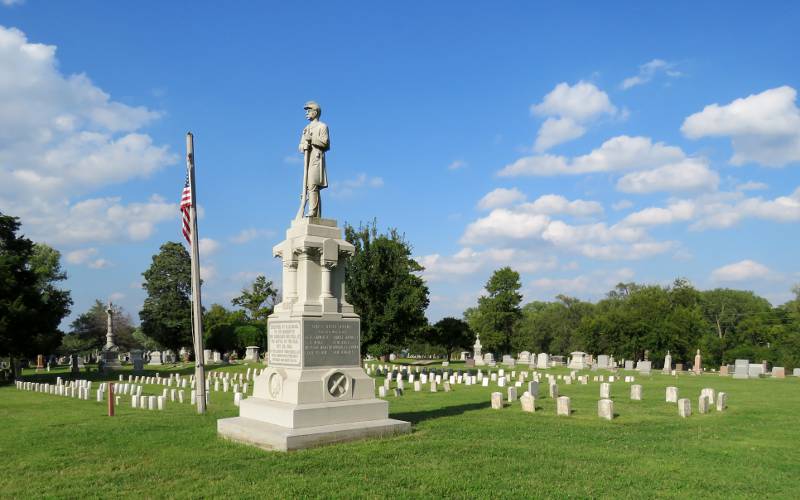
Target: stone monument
{"x": 667, "y": 364}
{"x": 137, "y": 359}
{"x": 314, "y": 390}
{"x": 252, "y": 353}
{"x": 476, "y": 352}
{"x": 698, "y": 363}
{"x": 110, "y": 354}
{"x": 578, "y": 361}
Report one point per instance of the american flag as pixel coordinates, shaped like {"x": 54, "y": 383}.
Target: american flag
{"x": 186, "y": 204}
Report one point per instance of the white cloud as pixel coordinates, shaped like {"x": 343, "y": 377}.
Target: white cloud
{"x": 682, "y": 210}
{"x": 81, "y": 255}
{"x": 99, "y": 264}
{"x": 581, "y": 101}
{"x": 764, "y": 128}
{"x": 249, "y": 234}
{"x": 208, "y": 246}
{"x": 618, "y": 153}
{"x": 62, "y": 137}
{"x": 456, "y": 165}
{"x": 468, "y": 261}
{"x": 349, "y": 187}
{"x": 208, "y": 272}
{"x": 648, "y": 71}
{"x": 728, "y": 210}
{"x": 95, "y": 220}
{"x": 691, "y": 174}
{"x": 622, "y": 205}
{"x": 551, "y": 204}
{"x": 741, "y": 271}
{"x": 555, "y": 131}
{"x": 569, "y": 109}
{"x": 532, "y": 230}
{"x": 500, "y": 197}
{"x": 116, "y": 296}
{"x": 752, "y": 186}
{"x": 9, "y": 3}
{"x": 595, "y": 283}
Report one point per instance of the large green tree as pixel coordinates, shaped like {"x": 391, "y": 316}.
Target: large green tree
{"x": 498, "y": 311}
{"x": 257, "y": 300}
{"x": 31, "y": 304}
{"x": 383, "y": 286}
{"x": 451, "y": 334}
{"x": 552, "y": 326}
{"x": 166, "y": 314}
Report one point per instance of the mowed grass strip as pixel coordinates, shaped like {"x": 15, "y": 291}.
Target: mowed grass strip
{"x": 61, "y": 447}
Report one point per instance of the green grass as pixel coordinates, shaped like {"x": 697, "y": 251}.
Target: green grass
{"x": 459, "y": 447}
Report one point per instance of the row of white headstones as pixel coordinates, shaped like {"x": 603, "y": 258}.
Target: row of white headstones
{"x": 237, "y": 383}
{"x": 605, "y": 406}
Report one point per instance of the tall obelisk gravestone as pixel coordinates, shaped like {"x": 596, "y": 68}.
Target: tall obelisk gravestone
{"x": 110, "y": 355}
{"x": 314, "y": 391}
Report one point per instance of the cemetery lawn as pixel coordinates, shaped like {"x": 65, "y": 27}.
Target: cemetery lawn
{"x": 459, "y": 447}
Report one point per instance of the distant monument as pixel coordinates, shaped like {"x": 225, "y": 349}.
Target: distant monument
{"x": 476, "y": 351}
{"x": 667, "y": 364}
{"x": 698, "y": 363}
{"x": 314, "y": 391}
{"x": 110, "y": 354}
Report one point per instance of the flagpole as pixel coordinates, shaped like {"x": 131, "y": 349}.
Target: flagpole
{"x": 197, "y": 307}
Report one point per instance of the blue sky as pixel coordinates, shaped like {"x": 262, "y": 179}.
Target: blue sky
{"x": 581, "y": 144}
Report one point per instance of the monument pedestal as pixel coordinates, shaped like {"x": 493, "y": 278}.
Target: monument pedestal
{"x": 314, "y": 391}
{"x": 110, "y": 360}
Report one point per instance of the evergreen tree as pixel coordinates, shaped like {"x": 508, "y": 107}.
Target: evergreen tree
{"x": 499, "y": 311}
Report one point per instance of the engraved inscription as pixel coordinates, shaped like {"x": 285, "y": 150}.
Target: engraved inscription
{"x": 284, "y": 343}
{"x": 331, "y": 343}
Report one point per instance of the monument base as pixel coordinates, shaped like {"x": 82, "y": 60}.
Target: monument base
{"x": 110, "y": 361}
{"x": 275, "y": 437}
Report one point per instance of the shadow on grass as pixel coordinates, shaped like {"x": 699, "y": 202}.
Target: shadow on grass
{"x": 448, "y": 411}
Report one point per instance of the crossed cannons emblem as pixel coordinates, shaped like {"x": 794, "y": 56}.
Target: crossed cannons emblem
{"x": 337, "y": 384}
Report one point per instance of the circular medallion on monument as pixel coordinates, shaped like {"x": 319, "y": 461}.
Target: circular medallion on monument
{"x": 337, "y": 384}
{"x": 275, "y": 385}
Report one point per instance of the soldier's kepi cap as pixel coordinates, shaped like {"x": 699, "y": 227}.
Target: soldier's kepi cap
{"x": 311, "y": 105}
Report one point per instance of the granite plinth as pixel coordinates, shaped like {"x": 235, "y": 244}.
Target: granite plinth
{"x": 274, "y": 437}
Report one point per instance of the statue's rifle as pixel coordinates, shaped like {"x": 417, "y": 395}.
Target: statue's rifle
{"x": 304, "y": 192}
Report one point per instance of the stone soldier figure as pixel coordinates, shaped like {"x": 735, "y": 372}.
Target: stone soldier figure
{"x": 314, "y": 143}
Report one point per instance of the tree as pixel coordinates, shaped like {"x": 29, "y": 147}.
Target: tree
{"x": 88, "y": 331}
{"x": 382, "y": 286}
{"x": 258, "y": 301}
{"x": 499, "y": 311}
{"x": 452, "y": 333}
{"x": 166, "y": 315}
{"x": 31, "y": 305}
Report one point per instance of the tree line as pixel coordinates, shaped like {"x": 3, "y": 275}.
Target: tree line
{"x": 384, "y": 285}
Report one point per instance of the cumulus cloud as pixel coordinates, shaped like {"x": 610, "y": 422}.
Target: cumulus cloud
{"x": 81, "y": 255}
{"x": 568, "y": 109}
{"x": 648, "y": 71}
{"x": 62, "y": 137}
{"x": 550, "y": 204}
{"x": 764, "y": 128}
{"x": 457, "y": 165}
{"x": 95, "y": 220}
{"x": 692, "y": 174}
{"x": 349, "y": 187}
{"x": 682, "y": 210}
{"x": 209, "y": 246}
{"x": 594, "y": 283}
{"x": 500, "y": 197}
{"x": 729, "y": 209}
{"x": 249, "y": 234}
{"x": 518, "y": 228}
{"x": 622, "y": 205}
{"x": 741, "y": 271}
{"x": 752, "y": 186}
{"x": 469, "y": 261}
{"x": 616, "y": 154}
